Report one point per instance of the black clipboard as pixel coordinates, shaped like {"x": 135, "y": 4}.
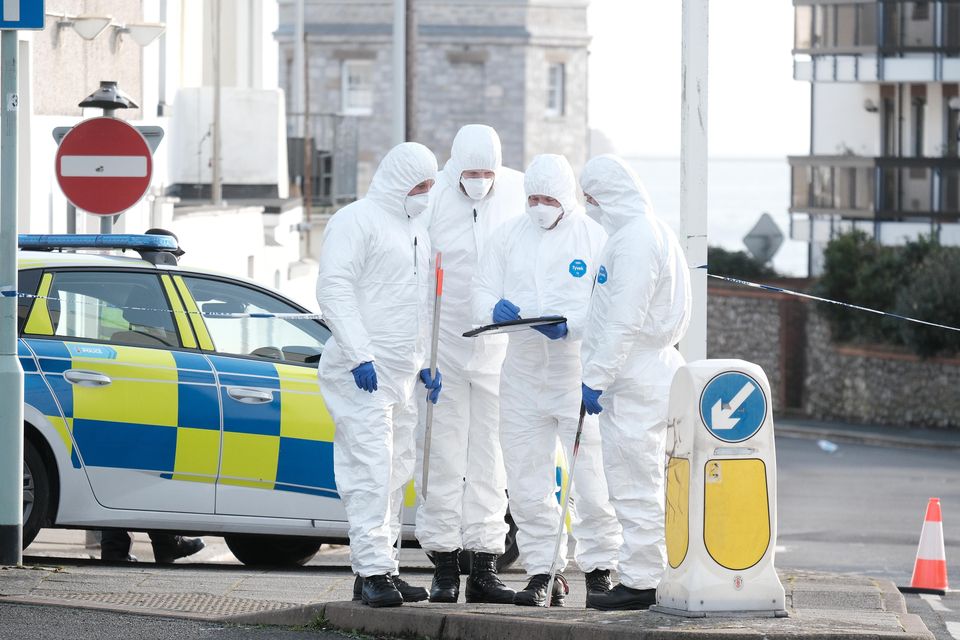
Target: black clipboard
{"x": 513, "y": 325}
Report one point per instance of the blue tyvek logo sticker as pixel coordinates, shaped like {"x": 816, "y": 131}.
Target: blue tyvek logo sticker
{"x": 578, "y": 268}
{"x": 733, "y": 406}
{"x": 602, "y": 274}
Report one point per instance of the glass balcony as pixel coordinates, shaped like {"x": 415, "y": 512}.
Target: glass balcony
{"x": 889, "y": 28}
{"x": 856, "y": 187}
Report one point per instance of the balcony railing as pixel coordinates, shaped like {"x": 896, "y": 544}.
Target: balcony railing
{"x": 865, "y": 188}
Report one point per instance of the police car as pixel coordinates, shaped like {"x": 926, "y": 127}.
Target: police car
{"x": 163, "y": 398}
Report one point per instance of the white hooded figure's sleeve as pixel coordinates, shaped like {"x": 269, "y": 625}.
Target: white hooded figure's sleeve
{"x": 617, "y": 315}
{"x": 341, "y": 265}
{"x": 488, "y": 279}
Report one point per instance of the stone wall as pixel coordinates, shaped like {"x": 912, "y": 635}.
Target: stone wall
{"x": 814, "y": 378}
{"x": 878, "y": 385}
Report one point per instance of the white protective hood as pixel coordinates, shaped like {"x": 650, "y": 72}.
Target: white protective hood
{"x": 617, "y": 189}
{"x": 403, "y": 168}
{"x": 551, "y": 175}
{"x": 476, "y": 147}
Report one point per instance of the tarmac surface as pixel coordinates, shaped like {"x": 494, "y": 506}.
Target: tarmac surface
{"x": 317, "y": 597}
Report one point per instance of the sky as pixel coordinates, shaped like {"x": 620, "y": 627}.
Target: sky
{"x": 756, "y": 108}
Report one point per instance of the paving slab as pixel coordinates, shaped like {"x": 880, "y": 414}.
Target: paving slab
{"x": 820, "y": 605}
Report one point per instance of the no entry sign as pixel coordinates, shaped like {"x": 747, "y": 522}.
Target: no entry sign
{"x": 104, "y": 166}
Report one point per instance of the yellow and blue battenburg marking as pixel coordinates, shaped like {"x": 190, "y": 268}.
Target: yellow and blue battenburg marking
{"x": 161, "y": 413}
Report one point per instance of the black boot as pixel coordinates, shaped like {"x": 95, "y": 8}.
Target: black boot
{"x": 167, "y": 548}
{"x": 446, "y": 577}
{"x": 409, "y": 592}
{"x": 622, "y": 598}
{"x": 378, "y": 591}
{"x": 598, "y": 582}
{"x": 483, "y": 585}
{"x": 535, "y": 593}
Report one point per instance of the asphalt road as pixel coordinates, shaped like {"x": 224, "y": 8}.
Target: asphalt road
{"x": 55, "y": 623}
{"x": 860, "y": 510}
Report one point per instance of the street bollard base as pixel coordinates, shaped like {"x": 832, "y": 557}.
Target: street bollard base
{"x": 670, "y": 611}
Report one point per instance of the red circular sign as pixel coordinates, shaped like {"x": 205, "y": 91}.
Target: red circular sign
{"x": 104, "y": 166}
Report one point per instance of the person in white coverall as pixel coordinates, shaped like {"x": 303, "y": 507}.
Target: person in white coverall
{"x": 540, "y": 264}
{"x": 372, "y": 290}
{"x": 639, "y": 310}
{"x": 466, "y": 498}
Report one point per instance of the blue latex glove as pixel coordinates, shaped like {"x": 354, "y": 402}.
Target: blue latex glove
{"x": 366, "y": 377}
{"x": 504, "y": 311}
{"x": 553, "y": 331}
{"x": 591, "y": 400}
{"x": 433, "y": 385}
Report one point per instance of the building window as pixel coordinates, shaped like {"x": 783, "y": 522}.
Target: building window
{"x": 555, "y": 89}
{"x": 357, "y": 87}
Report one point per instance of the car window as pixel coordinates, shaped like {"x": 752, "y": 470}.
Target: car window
{"x": 117, "y": 307}
{"x": 295, "y": 341}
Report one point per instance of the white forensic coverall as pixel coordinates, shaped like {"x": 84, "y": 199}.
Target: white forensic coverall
{"x": 548, "y": 272}
{"x": 639, "y": 310}
{"x": 466, "y": 498}
{"x": 372, "y": 290}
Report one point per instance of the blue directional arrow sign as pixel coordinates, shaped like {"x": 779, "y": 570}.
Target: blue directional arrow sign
{"x": 733, "y": 406}
{"x": 21, "y": 14}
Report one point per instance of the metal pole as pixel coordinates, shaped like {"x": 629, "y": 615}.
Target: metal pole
{"x": 434, "y": 342}
{"x": 11, "y": 374}
{"x": 399, "y": 71}
{"x": 71, "y": 218}
{"x": 216, "y": 194}
{"x": 410, "y": 66}
{"x": 693, "y": 168}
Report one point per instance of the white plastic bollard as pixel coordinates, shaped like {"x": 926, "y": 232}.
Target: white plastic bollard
{"x": 721, "y": 486}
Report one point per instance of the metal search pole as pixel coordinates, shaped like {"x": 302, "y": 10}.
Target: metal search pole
{"x": 566, "y": 507}
{"x": 693, "y": 168}
{"x": 11, "y": 374}
{"x": 435, "y": 340}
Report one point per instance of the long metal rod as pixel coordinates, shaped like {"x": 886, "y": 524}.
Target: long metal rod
{"x": 566, "y": 506}
{"x": 11, "y": 374}
{"x": 434, "y": 342}
{"x": 693, "y": 168}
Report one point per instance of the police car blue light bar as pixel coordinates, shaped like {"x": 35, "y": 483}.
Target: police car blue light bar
{"x": 134, "y": 241}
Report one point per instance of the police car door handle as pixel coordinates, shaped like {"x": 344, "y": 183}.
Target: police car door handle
{"x": 83, "y": 378}
{"x": 250, "y": 396}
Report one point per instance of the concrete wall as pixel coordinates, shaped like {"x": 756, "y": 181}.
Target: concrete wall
{"x": 814, "y": 378}
{"x": 841, "y": 123}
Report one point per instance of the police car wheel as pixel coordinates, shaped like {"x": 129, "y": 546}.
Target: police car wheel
{"x": 272, "y": 551}
{"x": 36, "y": 492}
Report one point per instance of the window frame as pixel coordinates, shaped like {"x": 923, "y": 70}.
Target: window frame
{"x": 260, "y": 289}
{"x": 345, "y": 107}
{"x": 559, "y": 90}
{"x": 81, "y": 269}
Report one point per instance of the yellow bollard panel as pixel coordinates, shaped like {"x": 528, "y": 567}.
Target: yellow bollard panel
{"x": 721, "y": 492}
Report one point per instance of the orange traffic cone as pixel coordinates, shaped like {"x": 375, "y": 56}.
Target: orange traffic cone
{"x": 930, "y": 569}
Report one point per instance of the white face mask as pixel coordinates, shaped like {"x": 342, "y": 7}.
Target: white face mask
{"x": 415, "y": 205}
{"x": 544, "y": 215}
{"x": 477, "y": 188}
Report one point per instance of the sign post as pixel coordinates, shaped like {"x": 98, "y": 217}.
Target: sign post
{"x": 14, "y": 14}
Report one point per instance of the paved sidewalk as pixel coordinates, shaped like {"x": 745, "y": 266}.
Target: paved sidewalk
{"x": 820, "y": 605}
{"x": 879, "y": 435}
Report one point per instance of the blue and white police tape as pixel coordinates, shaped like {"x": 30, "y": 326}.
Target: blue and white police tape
{"x": 207, "y": 314}
{"x": 8, "y": 291}
{"x": 799, "y": 294}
